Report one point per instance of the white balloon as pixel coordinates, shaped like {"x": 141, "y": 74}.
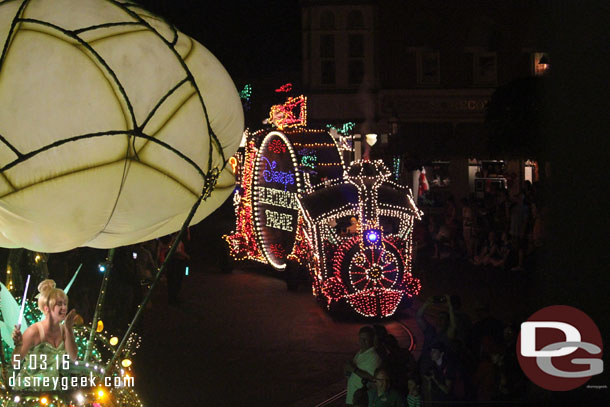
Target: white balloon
{"x": 82, "y": 84}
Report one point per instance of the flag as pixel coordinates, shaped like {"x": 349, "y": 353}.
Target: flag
{"x": 423, "y": 183}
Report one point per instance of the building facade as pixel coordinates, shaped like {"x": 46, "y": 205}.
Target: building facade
{"x": 420, "y": 74}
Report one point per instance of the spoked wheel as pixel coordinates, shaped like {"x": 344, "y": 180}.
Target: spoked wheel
{"x": 374, "y": 267}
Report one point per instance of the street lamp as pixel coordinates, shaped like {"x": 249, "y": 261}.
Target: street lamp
{"x": 371, "y": 139}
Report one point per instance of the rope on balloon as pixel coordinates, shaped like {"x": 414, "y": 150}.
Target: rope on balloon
{"x": 213, "y": 140}
{"x": 190, "y": 77}
{"x": 204, "y": 194}
{"x": 99, "y": 59}
{"x": 11, "y": 30}
{"x": 23, "y": 157}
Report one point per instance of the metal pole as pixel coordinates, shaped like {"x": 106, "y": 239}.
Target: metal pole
{"x": 100, "y": 303}
{"x": 160, "y": 270}
{"x": 4, "y": 370}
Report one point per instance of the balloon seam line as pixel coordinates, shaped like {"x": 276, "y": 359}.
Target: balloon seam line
{"x": 95, "y": 63}
{"x": 9, "y": 145}
{"x": 166, "y": 122}
{"x": 190, "y": 51}
{"x": 105, "y": 25}
{"x": 125, "y": 5}
{"x": 126, "y": 166}
{"x": 10, "y": 184}
{"x": 160, "y": 102}
{"x": 11, "y": 33}
{"x": 65, "y": 174}
{"x": 96, "y": 56}
{"x": 59, "y": 143}
{"x": 107, "y": 133}
{"x": 104, "y": 38}
{"x": 27, "y": 156}
{"x": 211, "y": 133}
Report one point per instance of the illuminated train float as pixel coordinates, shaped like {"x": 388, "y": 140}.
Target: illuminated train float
{"x": 294, "y": 202}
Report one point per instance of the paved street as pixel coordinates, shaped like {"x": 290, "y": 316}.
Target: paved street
{"x": 242, "y": 339}
{"x": 249, "y": 342}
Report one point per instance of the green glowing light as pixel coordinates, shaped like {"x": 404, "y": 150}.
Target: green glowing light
{"x": 246, "y": 92}
{"x": 345, "y": 129}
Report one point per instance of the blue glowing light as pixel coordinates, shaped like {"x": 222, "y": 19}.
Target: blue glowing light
{"x": 270, "y": 174}
{"x": 372, "y": 236}
{"x": 186, "y": 271}
{"x": 102, "y": 268}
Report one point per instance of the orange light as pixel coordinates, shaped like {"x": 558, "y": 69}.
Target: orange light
{"x": 233, "y": 162}
{"x": 44, "y": 401}
{"x": 100, "y": 326}
{"x": 283, "y": 116}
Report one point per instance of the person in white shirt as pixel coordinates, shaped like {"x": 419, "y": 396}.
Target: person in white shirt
{"x": 363, "y": 365}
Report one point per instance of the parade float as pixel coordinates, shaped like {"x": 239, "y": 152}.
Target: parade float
{"x": 115, "y": 128}
{"x": 298, "y": 204}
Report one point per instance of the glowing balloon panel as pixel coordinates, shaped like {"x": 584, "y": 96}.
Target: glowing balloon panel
{"x": 112, "y": 123}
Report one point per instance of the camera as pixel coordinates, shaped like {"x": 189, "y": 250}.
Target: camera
{"x": 439, "y": 299}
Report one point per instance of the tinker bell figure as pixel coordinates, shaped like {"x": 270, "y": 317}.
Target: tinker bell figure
{"x": 46, "y": 347}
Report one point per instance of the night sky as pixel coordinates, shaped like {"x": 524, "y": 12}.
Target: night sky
{"x": 255, "y": 41}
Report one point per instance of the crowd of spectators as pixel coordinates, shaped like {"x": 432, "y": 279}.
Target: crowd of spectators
{"x": 460, "y": 361}
{"x": 497, "y": 231}
{"x": 463, "y": 359}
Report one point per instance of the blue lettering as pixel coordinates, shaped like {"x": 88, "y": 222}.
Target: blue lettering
{"x": 270, "y": 174}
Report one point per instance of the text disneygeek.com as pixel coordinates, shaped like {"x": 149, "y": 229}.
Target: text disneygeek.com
{"x": 37, "y": 372}
{"x": 66, "y": 383}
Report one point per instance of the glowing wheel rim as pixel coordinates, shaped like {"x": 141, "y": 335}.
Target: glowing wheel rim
{"x": 373, "y": 267}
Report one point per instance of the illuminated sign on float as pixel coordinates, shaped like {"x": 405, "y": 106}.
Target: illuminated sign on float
{"x": 293, "y": 113}
{"x": 345, "y": 129}
{"x": 278, "y": 220}
{"x": 284, "y": 88}
{"x": 308, "y": 158}
{"x": 276, "y": 208}
{"x": 276, "y": 197}
{"x": 271, "y": 175}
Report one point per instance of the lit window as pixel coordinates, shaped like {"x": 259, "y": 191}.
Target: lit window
{"x": 541, "y": 63}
